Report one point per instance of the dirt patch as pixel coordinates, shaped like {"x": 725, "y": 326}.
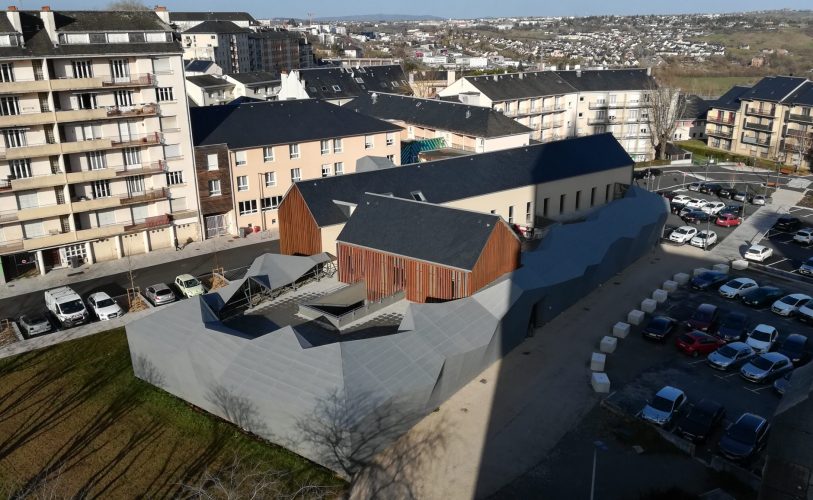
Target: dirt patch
{"x": 216, "y": 281}
{"x": 137, "y": 304}
{"x": 807, "y": 201}
{"x": 7, "y": 337}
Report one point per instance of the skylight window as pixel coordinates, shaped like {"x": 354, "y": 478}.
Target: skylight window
{"x": 336, "y": 88}
{"x": 417, "y": 196}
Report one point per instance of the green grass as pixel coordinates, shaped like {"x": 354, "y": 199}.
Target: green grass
{"x": 701, "y": 152}
{"x": 74, "y": 413}
{"x": 710, "y": 85}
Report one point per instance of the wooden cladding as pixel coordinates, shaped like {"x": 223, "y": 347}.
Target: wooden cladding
{"x": 298, "y": 232}
{"x": 221, "y": 203}
{"x": 500, "y": 255}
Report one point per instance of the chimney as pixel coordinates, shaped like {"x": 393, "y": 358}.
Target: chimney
{"x": 48, "y": 23}
{"x": 578, "y": 72}
{"x": 521, "y": 76}
{"x": 162, "y": 13}
{"x": 14, "y": 18}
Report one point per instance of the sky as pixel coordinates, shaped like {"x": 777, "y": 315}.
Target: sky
{"x": 446, "y": 8}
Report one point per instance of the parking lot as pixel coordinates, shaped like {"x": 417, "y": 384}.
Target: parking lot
{"x": 788, "y": 255}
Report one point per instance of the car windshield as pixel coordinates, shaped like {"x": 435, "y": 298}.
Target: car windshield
{"x": 753, "y": 251}
{"x": 191, "y": 283}
{"x": 762, "y": 363}
{"x": 701, "y": 236}
{"x": 659, "y": 324}
{"x": 105, "y": 303}
{"x": 34, "y": 320}
{"x": 698, "y": 414}
{"x": 702, "y": 315}
{"x": 74, "y": 306}
{"x": 682, "y": 231}
{"x": 742, "y": 433}
{"x": 789, "y": 300}
{"x": 661, "y": 404}
{"x": 760, "y": 335}
{"x": 163, "y": 291}
{"x": 727, "y": 351}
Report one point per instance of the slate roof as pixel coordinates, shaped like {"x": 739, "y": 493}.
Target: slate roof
{"x": 476, "y": 121}
{"x": 279, "y": 122}
{"x": 211, "y": 16}
{"x": 802, "y": 96}
{"x": 254, "y": 77}
{"x": 6, "y": 26}
{"x": 319, "y": 82}
{"x": 730, "y": 101}
{"x": 217, "y": 27}
{"x": 208, "y": 81}
{"x": 608, "y": 79}
{"x": 197, "y": 65}
{"x": 425, "y": 231}
{"x": 696, "y": 107}
{"x": 441, "y": 181}
{"x": 772, "y": 88}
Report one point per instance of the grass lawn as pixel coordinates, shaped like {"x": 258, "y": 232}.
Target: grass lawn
{"x": 710, "y": 85}
{"x": 702, "y": 151}
{"x": 75, "y": 414}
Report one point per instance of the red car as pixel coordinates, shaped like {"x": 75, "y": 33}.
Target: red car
{"x": 696, "y": 343}
{"x": 728, "y": 220}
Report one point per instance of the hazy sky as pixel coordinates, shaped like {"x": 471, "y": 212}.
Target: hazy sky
{"x": 444, "y": 8}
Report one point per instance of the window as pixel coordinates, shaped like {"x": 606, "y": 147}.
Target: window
{"x": 562, "y": 199}
{"x": 82, "y": 69}
{"x": 9, "y": 106}
{"x": 338, "y": 168}
{"x": 132, "y": 156}
{"x": 100, "y": 189}
{"x": 592, "y": 197}
{"x": 106, "y": 217}
{"x": 545, "y": 204}
{"x": 169, "y": 123}
{"x": 418, "y": 196}
{"x": 247, "y": 207}
{"x": 270, "y": 203}
{"x": 28, "y": 199}
{"x": 325, "y": 146}
{"x": 326, "y": 170}
{"x": 336, "y": 88}
{"x": 86, "y": 101}
{"x": 270, "y": 179}
{"x": 15, "y": 138}
{"x": 528, "y": 215}
{"x": 337, "y": 145}
{"x": 161, "y": 65}
{"x": 368, "y": 142}
{"x": 174, "y": 178}
{"x": 96, "y": 160}
{"x": 172, "y": 151}
{"x": 123, "y": 98}
{"x": 164, "y": 94}
{"x": 239, "y": 158}
{"x": 20, "y": 169}
{"x": 390, "y": 138}
{"x": 242, "y": 183}
{"x": 268, "y": 153}
{"x": 578, "y": 199}
{"x": 33, "y": 229}
{"x": 293, "y": 151}
{"x": 214, "y": 187}
{"x": 607, "y": 194}
{"x": 511, "y": 214}
{"x": 211, "y": 162}
{"x": 117, "y": 38}
{"x": 295, "y": 175}
{"x": 6, "y": 72}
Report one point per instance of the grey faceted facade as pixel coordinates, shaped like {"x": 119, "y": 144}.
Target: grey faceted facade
{"x": 270, "y": 382}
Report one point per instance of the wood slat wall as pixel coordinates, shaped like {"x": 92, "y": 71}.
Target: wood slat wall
{"x": 501, "y": 254}
{"x": 213, "y": 204}
{"x": 298, "y": 232}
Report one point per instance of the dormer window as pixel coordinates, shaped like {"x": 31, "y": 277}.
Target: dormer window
{"x": 9, "y": 40}
{"x": 417, "y": 196}
{"x": 336, "y": 88}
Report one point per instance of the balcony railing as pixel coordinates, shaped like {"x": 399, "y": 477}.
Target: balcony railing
{"x": 760, "y": 112}
{"x": 720, "y": 133}
{"x": 146, "y": 196}
{"x": 5, "y": 184}
{"x": 86, "y": 205}
{"x": 763, "y": 127}
{"x": 107, "y": 112}
{"x": 800, "y": 118}
{"x": 721, "y": 120}
{"x": 137, "y": 140}
{"x": 598, "y": 121}
{"x": 756, "y": 142}
{"x": 137, "y": 80}
{"x": 113, "y": 171}
{"x": 130, "y": 111}
{"x": 102, "y": 81}
{"x": 598, "y": 105}
{"x": 792, "y": 132}
{"x": 550, "y": 125}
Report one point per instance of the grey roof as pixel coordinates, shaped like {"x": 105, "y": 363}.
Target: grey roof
{"x": 254, "y": 77}
{"x": 369, "y": 163}
{"x": 730, "y": 101}
{"x": 319, "y": 82}
{"x": 803, "y": 96}
{"x": 773, "y": 88}
{"x": 424, "y": 231}
{"x": 696, "y": 107}
{"x": 6, "y": 26}
{"x": 476, "y": 121}
{"x": 462, "y": 177}
{"x": 208, "y": 81}
{"x": 280, "y": 122}
{"x": 211, "y": 16}
{"x": 217, "y": 27}
{"x": 197, "y": 65}
{"x": 277, "y": 34}
{"x": 608, "y": 79}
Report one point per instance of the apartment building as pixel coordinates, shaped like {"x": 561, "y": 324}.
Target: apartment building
{"x": 211, "y": 90}
{"x": 722, "y": 118}
{"x": 340, "y": 85}
{"x": 223, "y": 42}
{"x": 691, "y": 124}
{"x": 562, "y": 104}
{"x": 95, "y": 146}
{"x": 188, "y": 20}
{"x": 797, "y": 143}
{"x": 278, "y": 51}
{"x": 249, "y": 155}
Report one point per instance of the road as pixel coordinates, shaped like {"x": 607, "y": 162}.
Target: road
{"x": 117, "y": 284}
{"x": 676, "y": 176}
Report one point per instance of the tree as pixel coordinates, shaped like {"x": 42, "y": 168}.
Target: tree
{"x": 664, "y": 105}
{"x": 801, "y": 147}
{"x": 127, "y": 5}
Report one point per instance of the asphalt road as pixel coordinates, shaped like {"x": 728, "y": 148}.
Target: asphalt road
{"x": 117, "y": 284}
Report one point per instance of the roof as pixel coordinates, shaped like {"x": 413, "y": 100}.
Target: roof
{"x": 277, "y": 34}
{"x": 772, "y": 88}
{"x": 279, "y": 122}
{"x": 254, "y": 77}
{"x": 730, "y": 101}
{"x": 696, "y": 107}
{"x": 217, "y": 27}
{"x": 477, "y": 121}
{"x": 425, "y": 231}
{"x": 197, "y": 65}
{"x": 609, "y": 79}
{"x": 211, "y": 16}
{"x": 353, "y": 82}
{"x": 801, "y": 96}
{"x": 440, "y": 181}
{"x": 207, "y": 81}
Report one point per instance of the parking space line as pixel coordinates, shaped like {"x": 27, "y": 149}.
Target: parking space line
{"x": 795, "y": 209}
{"x": 757, "y": 389}
{"x": 697, "y": 362}
{"x": 775, "y": 263}
{"x": 725, "y": 377}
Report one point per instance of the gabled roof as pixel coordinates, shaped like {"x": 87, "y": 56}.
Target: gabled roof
{"x": 462, "y": 177}
{"x": 353, "y": 82}
{"x": 803, "y": 96}
{"x": 217, "y": 27}
{"x": 608, "y": 79}
{"x": 197, "y": 65}
{"x": 425, "y": 231}
{"x": 730, "y": 101}
{"x": 772, "y": 88}
{"x": 254, "y": 77}
{"x": 208, "y": 81}
{"x": 696, "y": 107}
{"x": 280, "y": 122}
{"x": 211, "y": 16}
{"x": 476, "y": 121}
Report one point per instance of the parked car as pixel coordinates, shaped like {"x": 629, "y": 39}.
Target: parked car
{"x": 762, "y": 338}
{"x": 765, "y": 367}
{"x": 736, "y": 287}
{"x": 804, "y": 236}
{"x": 739, "y": 196}
{"x": 795, "y": 348}
{"x": 34, "y": 324}
{"x": 805, "y": 314}
{"x": 732, "y": 327}
{"x": 66, "y": 306}
{"x": 728, "y": 220}
{"x": 708, "y": 280}
{"x": 696, "y": 343}
{"x": 704, "y": 239}
{"x": 659, "y": 327}
{"x": 790, "y": 304}
{"x": 695, "y": 203}
{"x": 701, "y": 420}
{"x": 786, "y": 223}
{"x": 713, "y": 207}
{"x": 667, "y": 403}
{"x": 745, "y": 438}
{"x": 681, "y": 199}
{"x": 781, "y": 384}
{"x": 730, "y": 356}
{"x": 189, "y": 286}
{"x": 761, "y": 296}
{"x": 104, "y": 307}
{"x": 668, "y": 194}
{"x": 695, "y": 217}
{"x": 159, "y": 294}
{"x": 694, "y": 186}
{"x": 758, "y": 200}
{"x": 758, "y": 253}
{"x": 732, "y": 209}
{"x": 726, "y": 192}
{"x": 704, "y": 318}
{"x": 647, "y": 172}
{"x": 682, "y": 234}
{"x": 710, "y": 188}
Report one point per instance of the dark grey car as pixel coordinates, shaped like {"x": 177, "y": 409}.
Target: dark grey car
{"x": 159, "y": 294}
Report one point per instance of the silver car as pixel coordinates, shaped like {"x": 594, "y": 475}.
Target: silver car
{"x": 159, "y": 294}
{"x": 766, "y": 367}
{"x": 34, "y": 324}
{"x": 667, "y": 403}
{"x": 730, "y": 356}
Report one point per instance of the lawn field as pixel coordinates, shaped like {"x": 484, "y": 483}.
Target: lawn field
{"x": 710, "y": 85}
{"x": 75, "y": 421}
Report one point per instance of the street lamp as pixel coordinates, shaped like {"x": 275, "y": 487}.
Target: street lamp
{"x": 597, "y": 445}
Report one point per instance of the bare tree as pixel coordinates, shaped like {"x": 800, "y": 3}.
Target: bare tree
{"x": 664, "y": 106}
{"x": 47, "y": 485}
{"x": 801, "y": 147}
{"x": 424, "y": 83}
{"x": 127, "y": 5}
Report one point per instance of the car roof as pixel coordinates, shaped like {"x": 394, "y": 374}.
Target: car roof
{"x": 99, "y": 295}
{"x": 764, "y": 328}
{"x": 185, "y": 277}
{"x": 758, "y": 248}
{"x": 159, "y": 286}
{"x": 798, "y": 295}
{"x": 740, "y": 346}
{"x": 743, "y": 279}
{"x": 773, "y": 357}
{"x": 706, "y": 307}
{"x": 686, "y": 227}
{"x": 751, "y": 420}
{"x": 796, "y": 338}
{"x": 669, "y": 392}
{"x": 697, "y": 334}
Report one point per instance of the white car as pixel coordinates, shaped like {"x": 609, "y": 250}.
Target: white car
{"x": 804, "y": 236}
{"x": 189, "y": 286}
{"x": 694, "y": 186}
{"x": 758, "y": 253}
{"x": 790, "y": 304}
{"x": 704, "y": 239}
{"x": 713, "y": 207}
{"x": 762, "y": 338}
{"x": 104, "y": 307}
{"x": 681, "y": 199}
{"x": 758, "y": 200}
{"x": 736, "y": 287}
{"x": 683, "y": 234}
{"x": 695, "y": 203}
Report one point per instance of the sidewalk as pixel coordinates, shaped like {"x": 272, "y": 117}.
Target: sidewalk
{"x": 67, "y": 276}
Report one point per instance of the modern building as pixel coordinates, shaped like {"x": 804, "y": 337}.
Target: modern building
{"x": 340, "y": 85}
{"x": 265, "y": 147}
{"x": 278, "y": 51}
{"x": 461, "y": 126}
{"x": 561, "y": 104}
{"x": 722, "y": 119}
{"x": 209, "y": 90}
{"x": 186, "y": 20}
{"x": 691, "y": 124}
{"x": 96, "y": 141}
{"x": 527, "y": 186}
{"x": 223, "y": 42}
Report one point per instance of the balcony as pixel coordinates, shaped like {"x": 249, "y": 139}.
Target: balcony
{"x": 598, "y": 105}
{"x": 11, "y": 246}
{"x": 106, "y": 81}
{"x": 550, "y": 125}
{"x": 42, "y": 212}
{"x": 59, "y": 239}
{"x": 767, "y": 113}
{"x": 800, "y": 118}
{"x": 27, "y": 118}
{"x": 720, "y": 120}
{"x": 720, "y": 133}
{"x": 8, "y": 217}
{"x": 24, "y": 87}
{"x": 112, "y": 172}
{"x": 38, "y": 181}
{"x": 791, "y": 132}
{"x": 5, "y": 184}
{"x": 111, "y": 112}
{"x": 764, "y": 143}
{"x": 85, "y": 205}
{"x": 147, "y": 196}
{"x": 762, "y": 127}
{"x": 31, "y": 150}
{"x": 629, "y": 105}
{"x": 152, "y": 139}
{"x": 598, "y": 121}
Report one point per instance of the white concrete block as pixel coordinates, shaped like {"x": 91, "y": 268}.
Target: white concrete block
{"x": 740, "y": 264}
{"x": 681, "y": 278}
{"x": 721, "y": 268}
{"x": 597, "y": 361}
{"x": 600, "y": 382}
{"x": 700, "y": 270}
{"x": 649, "y": 305}
{"x": 621, "y": 330}
{"x": 608, "y": 344}
{"x": 670, "y": 286}
{"x": 635, "y": 317}
{"x": 660, "y": 295}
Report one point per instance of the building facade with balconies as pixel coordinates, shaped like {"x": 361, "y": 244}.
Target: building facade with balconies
{"x": 95, "y": 150}
{"x": 722, "y": 119}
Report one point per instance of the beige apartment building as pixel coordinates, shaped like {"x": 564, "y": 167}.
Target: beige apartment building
{"x": 249, "y": 156}
{"x": 95, "y": 159}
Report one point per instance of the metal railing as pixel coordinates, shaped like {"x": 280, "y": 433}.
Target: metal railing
{"x": 720, "y": 133}
{"x": 756, "y": 142}
{"x": 800, "y": 118}
{"x": 759, "y": 126}
{"x": 761, "y": 112}
{"x": 720, "y": 120}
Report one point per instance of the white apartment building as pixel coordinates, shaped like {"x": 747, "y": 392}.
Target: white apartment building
{"x": 96, "y": 158}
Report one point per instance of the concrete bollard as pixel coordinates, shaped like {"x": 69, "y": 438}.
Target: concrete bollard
{"x": 681, "y": 278}
{"x": 608, "y": 344}
{"x": 635, "y": 317}
{"x": 670, "y": 286}
{"x": 621, "y": 330}
{"x": 721, "y": 268}
{"x": 597, "y": 362}
{"x": 600, "y": 382}
{"x": 699, "y": 271}
{"x": 739, "y": 265}
{"x": 649, "y": 305}
{"x": 660, "y": 295}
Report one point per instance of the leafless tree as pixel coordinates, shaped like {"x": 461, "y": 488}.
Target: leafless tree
{"x": 235, "y": 408}
{"x": 127, "y": 5}
{"x": 45, "y": 486}
{"x": 801, "y": 147}
{"x": 664, "y": 106}
{"x": 423, "y": 83}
